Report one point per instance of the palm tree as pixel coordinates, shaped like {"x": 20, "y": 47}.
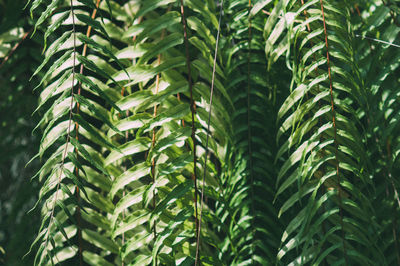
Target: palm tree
{"x": 217, "y": 132}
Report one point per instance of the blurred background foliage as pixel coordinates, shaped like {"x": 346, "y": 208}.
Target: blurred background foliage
{"x": 19, "y": 57}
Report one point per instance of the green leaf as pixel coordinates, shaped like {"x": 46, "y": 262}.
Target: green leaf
{"x": 138, "y": 73}
{"x": 135, "y": 146}
{"x": 178, "y": 192}
{"x": 177, "y": 136}
{"x": 93, "y": 132}
{"x": 94, "y": 110}
{"x": 151, "y": 26}
{"x": 87, "y": 156}
{"x": 91, "y": 22}
{"x": 75, "y": 179}
{"x": 151, "y": 5}
{"x": 55, "y": 65}
{"x": 94, "y": 259}
{"x": 168, "y": 42}
{"x": 49, "y": 10}
{"x": 55, "y": 26}
{"x": 133, "y": 174}
{"x": 54, "y": 134}
{"x": 99, "y": 240}
{"x": 96, "y": 46}
{"x": 92, "y": 66}
{"x": 177, "y": 112}
{"x": 258, "y": 6}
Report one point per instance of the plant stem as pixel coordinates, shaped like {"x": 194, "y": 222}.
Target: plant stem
{"x": 335, "y": 131}
{"x": 208, "y": 135}
{"x": 193, "y": 111}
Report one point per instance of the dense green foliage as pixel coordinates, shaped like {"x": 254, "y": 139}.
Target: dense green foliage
{"x": 294, "y": 162}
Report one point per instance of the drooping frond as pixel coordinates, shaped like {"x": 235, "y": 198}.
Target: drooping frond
{"x": 327, "y": 173}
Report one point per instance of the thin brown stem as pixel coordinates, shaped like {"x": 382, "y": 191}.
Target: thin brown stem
{"x": 193, "y": 111}
{"x": 77, "y": 192}
{"x": 208, "y": 135}
{"x": 316, "y": 71}
{"x": 123, "y": 90}
{"x": 69, "y": 125}
{"x": 153, "y": 141}
{"x": 334, "y": 129}
{"x": 126, "y": 140}
{"x": 306, "y": 15}
{"x": 84, "y": 51}
{"x": 125, "y": 168}
{"x": 15, "y": 48}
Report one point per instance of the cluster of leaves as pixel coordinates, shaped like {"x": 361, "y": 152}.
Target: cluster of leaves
{"x": 339, "y": 173}
{"x": 294, "y": 162}
{"x": 125, "y": 98}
